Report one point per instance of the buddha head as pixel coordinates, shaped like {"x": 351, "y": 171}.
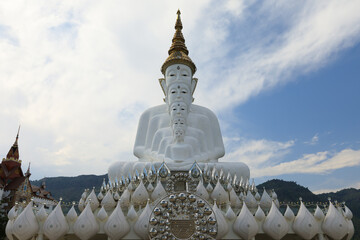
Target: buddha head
{"x": 178, "y": 73}
{"x": 178, "y": 126}
{"x": 178, "y": 92}
{"x": 179, "y": 135}
{"x": 178, "y": 84}
{"x": 178, "y": 122}
{"x": 178, "y": 109}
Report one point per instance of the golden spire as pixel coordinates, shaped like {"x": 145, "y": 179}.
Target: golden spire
{"x": 178, "y": 52}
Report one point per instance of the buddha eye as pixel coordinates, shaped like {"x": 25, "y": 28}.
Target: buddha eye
{"x": 185, "y": 75}
{"x": 171, "y": 74}
{"x": 184, "y": 91}
{"x": 173, "y": 91}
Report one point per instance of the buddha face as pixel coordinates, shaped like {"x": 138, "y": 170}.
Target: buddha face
{"x": 178, "y": 122}
{"x": 179, "y": 92}
{"x": 179, "y": 134}
{"x": 178, "y": 73}
{"x": 179, "y": 127}
{"x": 178, "y": 109}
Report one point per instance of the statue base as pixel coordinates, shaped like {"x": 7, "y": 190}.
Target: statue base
{"x": 119, "y": 169}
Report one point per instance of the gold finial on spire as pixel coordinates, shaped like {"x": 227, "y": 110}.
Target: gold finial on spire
{"x": 178, "y": 24}
{"x": 178, "y": 52}
{"x": 178, "y": 41}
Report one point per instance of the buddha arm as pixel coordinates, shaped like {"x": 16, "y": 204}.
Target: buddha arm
{"x": 143, "y": 129}
{"x": 139, "y": 147}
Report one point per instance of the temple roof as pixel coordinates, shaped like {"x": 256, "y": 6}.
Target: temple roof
{"x": 178, "y": 53}
{"x": 10, "y": 169}
{"x": 41, "y": 192}
{"x": 15, "y": 183}
{"x": 13, "y": 153}
{"x": 11, "y": 174}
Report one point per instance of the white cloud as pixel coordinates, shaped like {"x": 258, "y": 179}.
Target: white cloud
{"x": 77, "y": 75}
{"x": 314, "y": 140}
{"x": 316, "y": 163}
{"x": 315, "y": 32}
{"x": 256, "y": 153}
{"x": 270, "y": 158}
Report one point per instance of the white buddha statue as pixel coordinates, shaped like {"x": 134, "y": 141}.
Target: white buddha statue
{"x": 178, "y": 132}
{"x": 178, "y": 86}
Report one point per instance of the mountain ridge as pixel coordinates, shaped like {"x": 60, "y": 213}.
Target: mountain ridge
{"x": 287, "y": 191}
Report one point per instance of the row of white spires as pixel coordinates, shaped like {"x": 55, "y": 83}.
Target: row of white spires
{"x": 243, "y": 215}
{"x": 208, "y": 174}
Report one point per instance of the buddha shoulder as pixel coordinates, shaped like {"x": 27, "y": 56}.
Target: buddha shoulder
{"x": 153, "y": 111}
{"x": 202, "y": 110}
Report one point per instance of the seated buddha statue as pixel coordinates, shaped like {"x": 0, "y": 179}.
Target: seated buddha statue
{"x": 178, "y": 86}
{"x": 178, "y": 131}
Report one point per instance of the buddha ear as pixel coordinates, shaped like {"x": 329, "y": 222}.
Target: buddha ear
{"x": 193, "y": 85}
{"x": 163, "y": 85}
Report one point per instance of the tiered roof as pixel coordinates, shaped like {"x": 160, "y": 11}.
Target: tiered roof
{"x": 12, "y": 176}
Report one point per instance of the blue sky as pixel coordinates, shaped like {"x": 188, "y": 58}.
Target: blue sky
{"x": 282, "y": 76}
{"x": 318, "y": 111}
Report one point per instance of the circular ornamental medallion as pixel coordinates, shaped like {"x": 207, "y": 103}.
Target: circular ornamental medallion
{"x": 182, "y": 216}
